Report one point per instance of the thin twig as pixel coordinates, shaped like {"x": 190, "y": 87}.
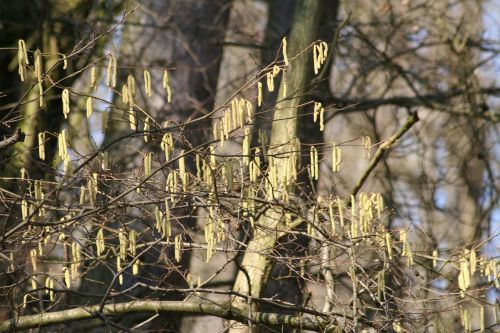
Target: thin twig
{"x": 410, "y": 121}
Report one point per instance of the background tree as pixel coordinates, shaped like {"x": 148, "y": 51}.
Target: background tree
{"x": 182, "y": 166}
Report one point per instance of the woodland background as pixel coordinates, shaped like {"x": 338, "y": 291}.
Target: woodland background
{"x": 386, "y": 60}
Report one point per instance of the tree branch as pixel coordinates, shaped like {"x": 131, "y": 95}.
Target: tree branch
{"x": 346, "y": 105}
{"x": 410, "y": 121}
{"x": 222, "y": 311}
{"x": 13, "y": 139}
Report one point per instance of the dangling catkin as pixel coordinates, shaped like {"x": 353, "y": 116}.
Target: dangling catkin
{"x": 166, "y": 86}
{"x": 22, "y": 59}
{"x": 90, "y": 108}
{"x": 111, "y": 72}
{"x": 65, "y": 103}
{"x": 147, "y": 82}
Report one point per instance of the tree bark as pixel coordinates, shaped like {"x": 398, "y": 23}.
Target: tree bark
{"x": 256, "y": 263}
{"x": 218, "y": 310}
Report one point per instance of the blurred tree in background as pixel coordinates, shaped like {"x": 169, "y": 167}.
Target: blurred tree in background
{"x": 249, "y": 166}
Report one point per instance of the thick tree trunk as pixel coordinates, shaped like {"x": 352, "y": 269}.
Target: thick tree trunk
{"x": 256, "y": 264}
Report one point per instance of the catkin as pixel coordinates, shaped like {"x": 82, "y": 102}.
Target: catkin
{"x": 147, "y": 164}
{"x": 320, "y": 51}
{"x": 336, "y": 158}
{"x": 38, "y": 65}
{"x": 147, "y": 82}
{"x": 367, "y": 143}
{"x": 146, "y": 129}
{"x": 246, "y": 146}
{"x": 67, "y": 278}
{"x": 93, "y": 78}
{"x": 90, "y": 108}
{"x": 314, "y": 163}
{"x": 135, "y": 267}
{"x": 65, "y": 61}
{"x": 65, "y": 102}
{"x": 388, "y": 244}
{"x": 22, "y": 59}
{"x": 166, "y": 86}
{"x": 131, "y": 90}
{"x": 111, "y": 72}
{"x": 285, "y": 53}
{"x": 41, "y": 145}
{"x": 319, "y": 110}
{"x": 270, "y": 82}
{"x": 178, "y": 247}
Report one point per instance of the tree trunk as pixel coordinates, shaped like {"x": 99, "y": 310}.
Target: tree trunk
{"x": 256, "y": 263}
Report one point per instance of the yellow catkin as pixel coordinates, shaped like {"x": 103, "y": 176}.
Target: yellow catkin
{"x": 132, "y": 120}
{"x": 131, "y": 90}
{"x": 146, "y": 129}
{"x": 285, "y": 53}
{"x": 135, "y": 267}
{"x": 38, "y": 65}
{"x": 367, "y": 143}
{"x": 246, "y": 146}
{"x": 182, "y": 171}
{"x": 336, "y": 157}
{"x": 320, "y": 51}
{"x": 270, "y": 82}
{"x": 259, "y": 93}
{"x": 67, "y": 278}
{"x": 93, "y": 78}
{"x": 65, "y": 61}
{"x": 123, "y": 244}
{"x": 111, "y": 72}
{"x": 340, "y": 208}
{"x": 319, "y": 111}
{"x": 90, "y": 108}
{"x": 434, "y": 258}
{"x": 100, "y": 245}
{"x": 62, "y": 144}
{"x": 167, "y": 145}
{"x": 65, "y": 103}
{"x": 22, "y": 59}
{"x": 178, "y": 247}
{"x": 41, "y": 145}
{"x": 166, "y": 224}
{"x": 125, "y": 94}
{"x": 147, "y": 164}
{"x": 24, "y": 209}
{"x": 147, "y": 82}
{"x": 166, "y": 86}
{"x": 33, "y": 257}
{"x": 388, "y": 244}
{"x": 82, "y": 195}
{"x": 314, "y": 163}
{"x": 132, "y": 242}
{"x": 473, "y": 261}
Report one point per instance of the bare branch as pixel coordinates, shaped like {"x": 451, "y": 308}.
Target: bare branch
{"x": 18, "y": 136}
{"x": 222, "y": 311}
{"x": 410, "y": 121}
